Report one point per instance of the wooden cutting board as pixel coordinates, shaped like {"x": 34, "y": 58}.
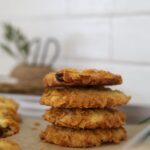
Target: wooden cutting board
{"x": 29, "y": 136}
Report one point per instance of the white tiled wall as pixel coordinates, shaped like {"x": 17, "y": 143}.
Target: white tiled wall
{"x": 30, "y": 8}
{"x": 131, "y": 6}
{"x": 90, "y": 7}
{"x": 132, "y": 38}
{"x": 108, "y": 34}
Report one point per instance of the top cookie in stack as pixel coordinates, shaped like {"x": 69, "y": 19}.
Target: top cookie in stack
{"x": 74, "y": 77}
{"x": 82, "y": 113}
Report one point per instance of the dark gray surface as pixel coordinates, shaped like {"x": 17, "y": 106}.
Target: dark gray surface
{"x": 136, "y": 114}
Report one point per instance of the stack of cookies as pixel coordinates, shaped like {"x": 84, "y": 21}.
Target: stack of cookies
{"x": 82, "y": 110}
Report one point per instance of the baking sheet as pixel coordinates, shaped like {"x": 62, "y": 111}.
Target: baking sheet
{"x": 29, "y": 136}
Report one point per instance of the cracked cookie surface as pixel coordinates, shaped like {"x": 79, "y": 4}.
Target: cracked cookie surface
{"x": 83, "y": 98}
{"x": 82, "y": 138}
{"x": 85, "y": 118}
{"x": 76, "y": 77}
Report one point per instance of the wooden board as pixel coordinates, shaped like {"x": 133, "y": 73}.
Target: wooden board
{"x": 29, "y": 136}
{"x": 22, "y": 88}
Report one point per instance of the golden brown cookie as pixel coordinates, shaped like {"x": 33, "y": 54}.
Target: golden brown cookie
{"x": 8, "y": 125}
{"x": 8, "y": 145}
{"x": 9, "y": 118}
{"x": 8, "y": 103}
{"x": 82, "y": 138}
{"x": 85, "y": 118}
{"x": 75, "y": 77}
{"x": 83, "y": 98}
{"x": 10, "y": 113}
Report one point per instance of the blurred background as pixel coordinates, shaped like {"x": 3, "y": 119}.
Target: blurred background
{"x": 38, "y": 36}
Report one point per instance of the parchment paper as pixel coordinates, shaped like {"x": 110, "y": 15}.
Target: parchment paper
{"x": 29, "y": 137}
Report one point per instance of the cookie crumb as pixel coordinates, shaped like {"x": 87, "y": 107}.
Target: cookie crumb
{"x": 34, "y": 128}
{"x": 37, "y": 124}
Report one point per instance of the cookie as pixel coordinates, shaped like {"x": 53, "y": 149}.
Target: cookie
{"x": 85, "y": 118}
{"x": 75, "y": 77}
{"x": 8, "y": 124}
{"x": 8, "y": 145}
{"x": 9, "y": 118}
{"x": 82, "y": 138}
{"x": 9, "y": 113}
{"x": 8, "y": 103}
{"x": 83, "y": 98}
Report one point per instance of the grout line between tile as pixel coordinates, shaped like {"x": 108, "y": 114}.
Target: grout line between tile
{"x": 121, "y": 62}
{"x": 71, "y": 16}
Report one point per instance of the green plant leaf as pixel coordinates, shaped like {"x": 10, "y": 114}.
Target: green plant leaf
{"x": 8, "y": 32}
{"x": 22, "y": 43}
{"x": 25, "y": 48}
{"x": 14, "y": 36}
{"x": 7, "y": 50}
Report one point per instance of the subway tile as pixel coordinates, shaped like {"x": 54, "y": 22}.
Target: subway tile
{"x": 31, "y": 8}
{"x": 78, "y": 38}
{"x": 90, "y": 7}
{"x": 131, "y": 39}
{"x": 131, "y": 6}
{"x": 89, "y": 40}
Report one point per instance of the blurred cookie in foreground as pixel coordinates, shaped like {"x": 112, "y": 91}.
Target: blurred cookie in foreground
{"x": 76, "y": 77}
{"x": 9, "y": 117}
{"x": 9, "y": 123}
{"x": 10, "y": 113}
{"x": 8, "y": 145}
{"x": 83, "y": 97}
{"x": 85, "y": 118}
{"x": 8, "y": 103}
{"x": 82, "y": 138}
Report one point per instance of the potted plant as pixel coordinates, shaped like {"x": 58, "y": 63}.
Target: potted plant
{"x": 17, "y": 45}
